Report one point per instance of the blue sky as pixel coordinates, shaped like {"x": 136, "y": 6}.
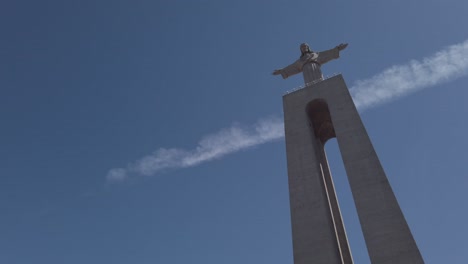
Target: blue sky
{"x": 90, "y": 88}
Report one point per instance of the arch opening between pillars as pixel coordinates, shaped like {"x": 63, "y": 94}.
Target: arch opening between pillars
{"x": 321, "y": 124}
{"x": 320, "y": 120}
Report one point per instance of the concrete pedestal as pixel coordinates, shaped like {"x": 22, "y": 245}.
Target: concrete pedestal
{"x": 312, "y": 116}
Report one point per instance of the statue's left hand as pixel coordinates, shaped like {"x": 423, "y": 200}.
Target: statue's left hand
{"x": 342, "y": 46}
{"x": 276, "y": 72}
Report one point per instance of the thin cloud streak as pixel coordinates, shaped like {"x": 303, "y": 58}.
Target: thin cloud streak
{"x": 396, "y": 81}
{"x": 392, "y": 83}
{"x": 211, "y": 147}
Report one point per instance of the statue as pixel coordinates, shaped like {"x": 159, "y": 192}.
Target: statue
{"x": 309, "y": 63}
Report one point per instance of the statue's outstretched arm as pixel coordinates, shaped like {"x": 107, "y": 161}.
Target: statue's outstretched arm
{"x": 331, "y": 54}
{"x": 342, "y": 46}
{"x": 289, "y": 70}
{"x": 277, "y": 71}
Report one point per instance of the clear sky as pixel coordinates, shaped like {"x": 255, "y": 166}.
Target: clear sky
{"x": 150, "y": 131}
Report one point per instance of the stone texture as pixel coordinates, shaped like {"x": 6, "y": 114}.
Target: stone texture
{"x": 313, "y": 115}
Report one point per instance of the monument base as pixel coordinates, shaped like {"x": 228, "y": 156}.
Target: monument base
{"x": 313, "y": 115}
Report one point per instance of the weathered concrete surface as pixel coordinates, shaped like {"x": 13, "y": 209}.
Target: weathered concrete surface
{"x": 318, "y": 232}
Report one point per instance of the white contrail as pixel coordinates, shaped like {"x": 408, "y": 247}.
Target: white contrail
{"x": 210, "y": 147}
{"x": 394, "y": 82}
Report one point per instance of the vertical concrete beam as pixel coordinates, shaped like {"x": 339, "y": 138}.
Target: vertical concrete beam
{"x": 387, "y": 235}
{"x": 316, "y": 230}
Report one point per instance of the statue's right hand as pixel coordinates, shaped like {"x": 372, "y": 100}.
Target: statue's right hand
{"x": 342, "y": 46}
{"x": 276, "y": 72}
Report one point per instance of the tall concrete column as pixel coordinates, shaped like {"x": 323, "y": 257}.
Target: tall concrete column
{"x": 312, "y": 116}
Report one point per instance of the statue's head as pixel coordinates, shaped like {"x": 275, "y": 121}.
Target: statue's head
{"x": 305, "y": 49}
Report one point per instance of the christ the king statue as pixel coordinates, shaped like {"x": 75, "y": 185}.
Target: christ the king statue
{"x": 309, "y": 63}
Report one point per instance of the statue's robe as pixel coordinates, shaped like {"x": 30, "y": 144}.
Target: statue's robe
{"x": 310, "y": 64}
